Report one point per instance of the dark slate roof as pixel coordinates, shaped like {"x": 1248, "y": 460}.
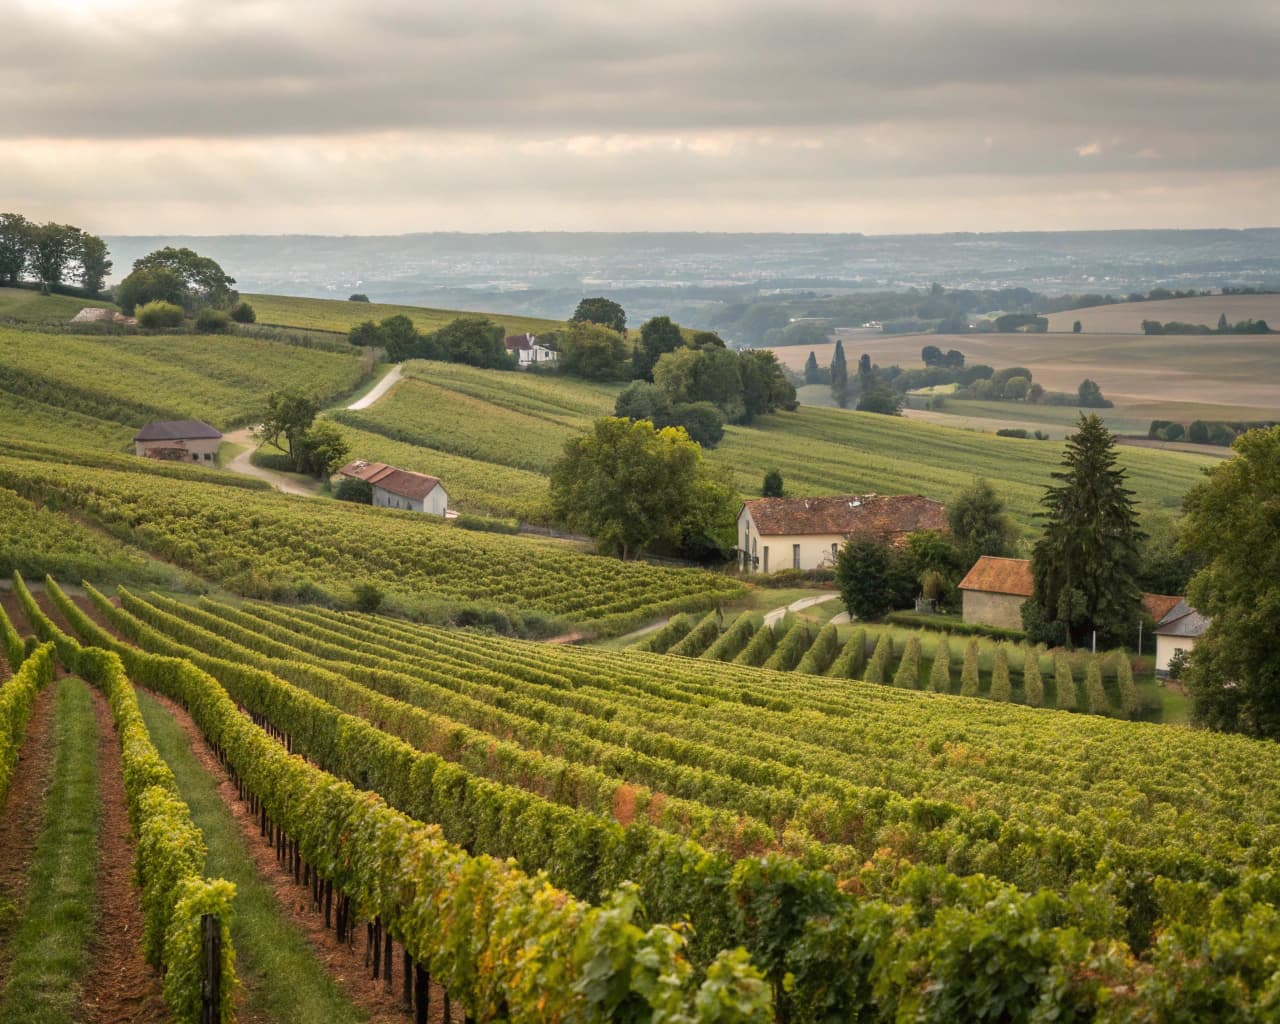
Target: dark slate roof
{"x": 1184, "y": 621}
{"x": 177, "y": 430}
{"x": 885, "y": 517}
{"x": 518, "y": 342}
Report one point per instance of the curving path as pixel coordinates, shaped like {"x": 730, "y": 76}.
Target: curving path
{"x": 241, "y": 464}
{"x": 797, "y": 606}
{"x": 379, "y": 389}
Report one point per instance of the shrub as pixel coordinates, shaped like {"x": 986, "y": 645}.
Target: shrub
{"x": 817, "y": 659}
{"x": 1032, "y": 682}
{"x": 791, "y": 648}
{"x": 358, "y": 297}
{"x": 908, "y": 674}
{"x": 969, "y": 673}
{"x": 1094, "y": 692}
{"x": 940, "y": 673}
{"x": 668, "y": 635}
{"x": 1064, "y": 683}
{"x": 879, "y": 662}
{"x": 852, "y": 659}
{"x": 757, "y": 652}
{"x": 1124, "y": 679}
{"x": 922, "y": 621}
{"x": 243, "y": 313}
{"x": 698, "y": 639}
{"x": 212, "y": 321}
{"x": 351, "y": 489}
{"x": 369, "y": 596}
{"x": 159, "y": 314}
{"x": 1000, "y": 689}
{"x": 733, "y": 639}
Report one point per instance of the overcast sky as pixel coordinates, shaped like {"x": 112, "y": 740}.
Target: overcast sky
{"x": 388, "y": 116}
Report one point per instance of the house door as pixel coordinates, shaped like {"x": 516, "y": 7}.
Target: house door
{"x": 766, "y": 558}
{"x": 795, "y": 556}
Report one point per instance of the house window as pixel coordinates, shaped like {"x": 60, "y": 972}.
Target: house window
{"x": 766, "y": 558}
{"x": 795, "y": 556}
{"x": 208, "y": 457}
{"x": 195, "y": 456}
{"x": 834, "y": 550}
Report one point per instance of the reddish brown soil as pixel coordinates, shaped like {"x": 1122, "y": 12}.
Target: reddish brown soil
{"x": 12, "y": 608}
{"x": 24, "y": 807}
{"x": 344, "y": 964}
{"x": 121, "y": 988}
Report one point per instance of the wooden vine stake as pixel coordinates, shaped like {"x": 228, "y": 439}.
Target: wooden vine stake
{"x": 211, "y": 990}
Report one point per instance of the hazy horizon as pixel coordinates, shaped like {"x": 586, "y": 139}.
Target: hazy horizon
{"x": 148, "y": 117}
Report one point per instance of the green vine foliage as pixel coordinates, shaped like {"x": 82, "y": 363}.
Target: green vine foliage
{"x": 733, "y": 640}
{"x": 171, "y": 850}
{"x": 11, "y": 645}
{"x": 928, "y": 945}
{"x": 480, "y": 925}
{"x": 852, "y": 658}
{"x": 17, "y": 695}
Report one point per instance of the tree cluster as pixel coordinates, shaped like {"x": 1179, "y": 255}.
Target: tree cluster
{"x": 51, "y": 254}
{"x": 180, "y": 276}
{"x": 314, "y": 448}
{"x": 1232, "y": 524}
{"x": 473, "y": 340}
{"x": 1178, "y": 327}
{"x": 634, "y": 488}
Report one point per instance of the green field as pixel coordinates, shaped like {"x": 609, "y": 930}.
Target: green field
{"x": 520, "y": 422}
{"x": 98, "y": 390}
{"x": 27, "y": 305}
{"x": 339, "y": 316}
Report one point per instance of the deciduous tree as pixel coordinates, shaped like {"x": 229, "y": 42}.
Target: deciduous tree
{"x": 95, "y": 263}
{"x": 979, "y": 524}
{"x": 593, "y": 352}
{"x": 772, "y": 487}
{"x": 658, "y": 336}
{"x": 289, "y": 414}
{"x": 865, "y": 578}
{"x": 1233, "y": 520}
{"x": 632, "y": 487}
{"x": 204, "y": 282}
{"x": 53, "y": 246}
{"x": 602, "y": 311}
{"x": 15, "y": 246}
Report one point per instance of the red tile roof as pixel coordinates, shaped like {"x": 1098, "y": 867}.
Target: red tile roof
{"x": 403, "y": 482}
{"x": 518, "y": 342}
{"x": 887, "y": 517}
{"x": 999, "y": 576}
{"x": 1159, "y": 605}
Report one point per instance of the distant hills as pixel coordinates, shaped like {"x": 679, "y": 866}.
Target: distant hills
{"x": 694, "y": 276}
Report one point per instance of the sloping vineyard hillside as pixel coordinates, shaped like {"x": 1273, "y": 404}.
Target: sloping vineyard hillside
{"x": 875, "y": 849}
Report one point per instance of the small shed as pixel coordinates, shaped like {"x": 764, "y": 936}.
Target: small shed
{"x": 178, "y": 441}
{"x": 994, "y": 590}
{"x": 400, "y": 488}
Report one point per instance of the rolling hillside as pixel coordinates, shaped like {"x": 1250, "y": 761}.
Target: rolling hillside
{"x": 507, "y": 429}
{"x": 339, "y": 316}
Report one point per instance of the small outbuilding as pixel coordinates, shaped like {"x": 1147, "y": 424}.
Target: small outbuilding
{"x": 178, "y": 441}
{"x": 994, "y": 590}
{"x": 1178, "y": 631}
{"x": 400, "y": 488}
{"x": 807, "y": 533}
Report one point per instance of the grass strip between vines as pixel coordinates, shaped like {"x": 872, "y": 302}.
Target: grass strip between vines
{"x": 281, "y": 976}
{"x": 52, "y": 937}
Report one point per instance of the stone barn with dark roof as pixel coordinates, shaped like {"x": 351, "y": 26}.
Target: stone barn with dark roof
{"x": 178, "y": 441}
{"x": 807, "y": 533}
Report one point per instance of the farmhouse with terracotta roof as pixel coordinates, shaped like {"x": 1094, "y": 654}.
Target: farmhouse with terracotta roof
{"x": 525, "y": 350}
{"x": 400, "y": 488}
{"x": 807, "y": 533}
{"x": 178, "y": 441}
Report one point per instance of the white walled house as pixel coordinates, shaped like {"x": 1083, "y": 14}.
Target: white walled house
{"x": 178, "y": 441}
{"x": 524, "y": 348}
{"x": 400, "y": 488}
{"x": 807, "y": 533}
{"x": 1177, "y": 631}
